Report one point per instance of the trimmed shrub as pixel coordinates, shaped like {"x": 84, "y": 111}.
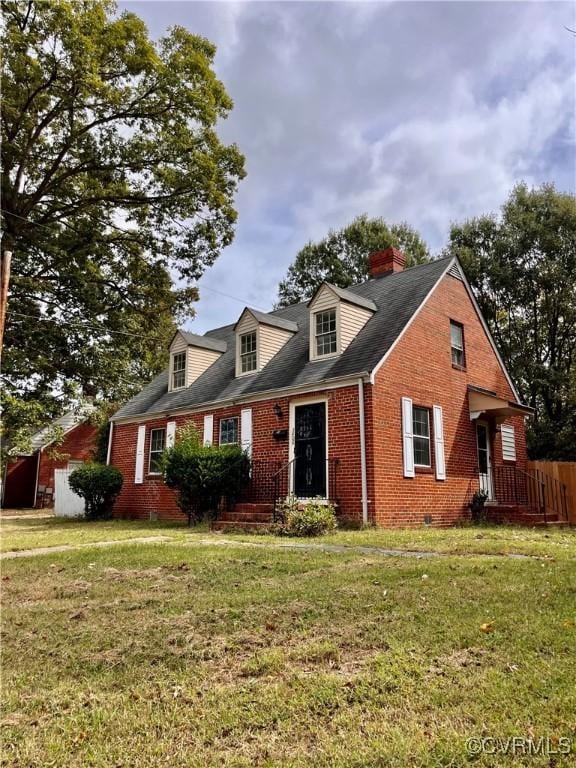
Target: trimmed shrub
{"x": 203, "y": 474}
{"x": 312, "y": 518}
{"x": 98, "y": 485}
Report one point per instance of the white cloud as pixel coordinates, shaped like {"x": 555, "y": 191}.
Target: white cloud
{"x": 425, "y": 112}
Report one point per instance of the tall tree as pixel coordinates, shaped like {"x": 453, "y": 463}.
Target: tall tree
{"x": 522, "y": 268}
{"x": 114, "y": 179}
{"x": 341, "y": 257}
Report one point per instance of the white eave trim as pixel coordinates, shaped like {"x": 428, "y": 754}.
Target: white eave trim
{"x": 66, "y": 432}
{"x": 319, "y": 386}
{"x": 487, "y": 331}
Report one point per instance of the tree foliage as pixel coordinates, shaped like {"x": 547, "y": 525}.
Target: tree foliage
{"x": 522, "y": 268}
{"x": 114, "y": 179}
{"x": 341, "y": 257}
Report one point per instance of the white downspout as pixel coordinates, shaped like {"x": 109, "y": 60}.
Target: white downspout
{"x": 110, "y": 443}
{"x": 363, "y": 452}
{"x": 39, "y": 459}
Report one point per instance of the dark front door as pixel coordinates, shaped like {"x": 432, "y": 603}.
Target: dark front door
{"x": 310, "y": 450}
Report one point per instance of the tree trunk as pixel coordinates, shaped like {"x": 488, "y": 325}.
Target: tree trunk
{"x": 5, "y": 261}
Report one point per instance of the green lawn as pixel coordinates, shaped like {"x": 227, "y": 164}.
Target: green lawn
{"x": 183, "y": 655}
{"x": 31, "y": 532}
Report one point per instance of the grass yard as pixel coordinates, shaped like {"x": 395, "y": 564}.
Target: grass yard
{"x": 19, "y": 533}
{"x": 30, "y": 532}
{"x": 189, "y": 654}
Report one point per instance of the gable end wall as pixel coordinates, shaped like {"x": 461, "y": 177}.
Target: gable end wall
{"x": 420, "y": 367}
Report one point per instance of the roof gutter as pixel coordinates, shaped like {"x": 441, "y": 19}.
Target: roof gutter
{"x": 318, "y": 386}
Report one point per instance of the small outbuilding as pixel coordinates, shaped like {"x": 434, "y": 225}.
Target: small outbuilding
{"x": 29, "y": 479}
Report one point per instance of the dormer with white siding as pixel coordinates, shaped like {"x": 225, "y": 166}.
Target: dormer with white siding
{"x": 336, "y": 317}
{"x": 259, "y": 337}
{"x": 190, "y": 356}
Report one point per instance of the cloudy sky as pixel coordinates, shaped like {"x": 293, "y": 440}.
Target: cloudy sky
{"x": 427, "y": 112}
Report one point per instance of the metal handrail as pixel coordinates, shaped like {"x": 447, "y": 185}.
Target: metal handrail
{"x": 547, "y": 493}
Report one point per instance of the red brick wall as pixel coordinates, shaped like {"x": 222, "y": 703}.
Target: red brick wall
{"x": 420, "y": 367}
{"x": 152, "y": 496}
{"x": 78, "y": 445}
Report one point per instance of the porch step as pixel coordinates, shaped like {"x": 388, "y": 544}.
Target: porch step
{"x": 254, "y": 507}
{"x": 246, "y": 525}
{"x": 246, "y": 517}
{"x": 520, "y": 514}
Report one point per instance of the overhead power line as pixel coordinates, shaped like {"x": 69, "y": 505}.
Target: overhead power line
{"x": 243, "y": 301}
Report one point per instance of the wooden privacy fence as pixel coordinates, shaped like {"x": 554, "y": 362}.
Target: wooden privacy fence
{"x": 555, "y": 472}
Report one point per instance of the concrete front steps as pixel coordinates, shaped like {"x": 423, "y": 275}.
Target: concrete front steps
{"x": 520, "y": 514}
{"x": 245, "y": 517}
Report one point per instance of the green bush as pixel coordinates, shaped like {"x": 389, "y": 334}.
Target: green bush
{"x": 203, "y": 474}
{"x": 98, "y": 485}
{"x": 312, "y": 518}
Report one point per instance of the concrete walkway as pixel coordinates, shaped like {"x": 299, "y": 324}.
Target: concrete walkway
{"x": 88, "y": 545}
{"x": 218, "y": 541}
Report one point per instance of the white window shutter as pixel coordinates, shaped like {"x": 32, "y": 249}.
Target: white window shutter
{"x": 508, "y": 442}
{"x": 208, "y": 429}
{"x": 170, "y": 434}
{"x": 407, "y": 437}
{"x": 246, "y": 430}
{"x": 139, "y": 472}
{"x": 439, "y": 443}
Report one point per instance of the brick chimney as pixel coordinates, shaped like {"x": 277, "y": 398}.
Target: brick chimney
{"x": 385, "y": 262}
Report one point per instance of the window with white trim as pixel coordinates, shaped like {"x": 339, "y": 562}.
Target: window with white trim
{"x": 457, "y": 344}
{"x": 157, "y": 445}
{"x": 421, "y": 436}
{"x": 325, "y": 332}
{"x": 248, "y": 360}
{"x": 178, "y": 370}
{"x": 229, "y": 431}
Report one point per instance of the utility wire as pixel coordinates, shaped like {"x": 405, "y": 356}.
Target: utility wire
{"x": 60, "y": 321}
{"x": 245, "y": 302}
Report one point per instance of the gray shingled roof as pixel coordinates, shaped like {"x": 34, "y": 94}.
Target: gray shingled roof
{"x": 66, "y": 422}
{"x": 397, "y": 296}
{"x": 270, "y": 318}
{"x": 349, "y": 296}
{"x": 206, "y": 342}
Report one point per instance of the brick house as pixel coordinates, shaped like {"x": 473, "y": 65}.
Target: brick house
{"x": 29, "y": 479}
{"x": 389, "y": 398}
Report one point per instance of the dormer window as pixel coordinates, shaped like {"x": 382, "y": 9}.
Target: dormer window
{"x": 326, "y": 338}
{"x": 248, "y": 360}
{"x": 190, "y": 357}
{"x": 259, "y": 337}
{"x": 336, "y": 317}
{"x": 179, "y": 370}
